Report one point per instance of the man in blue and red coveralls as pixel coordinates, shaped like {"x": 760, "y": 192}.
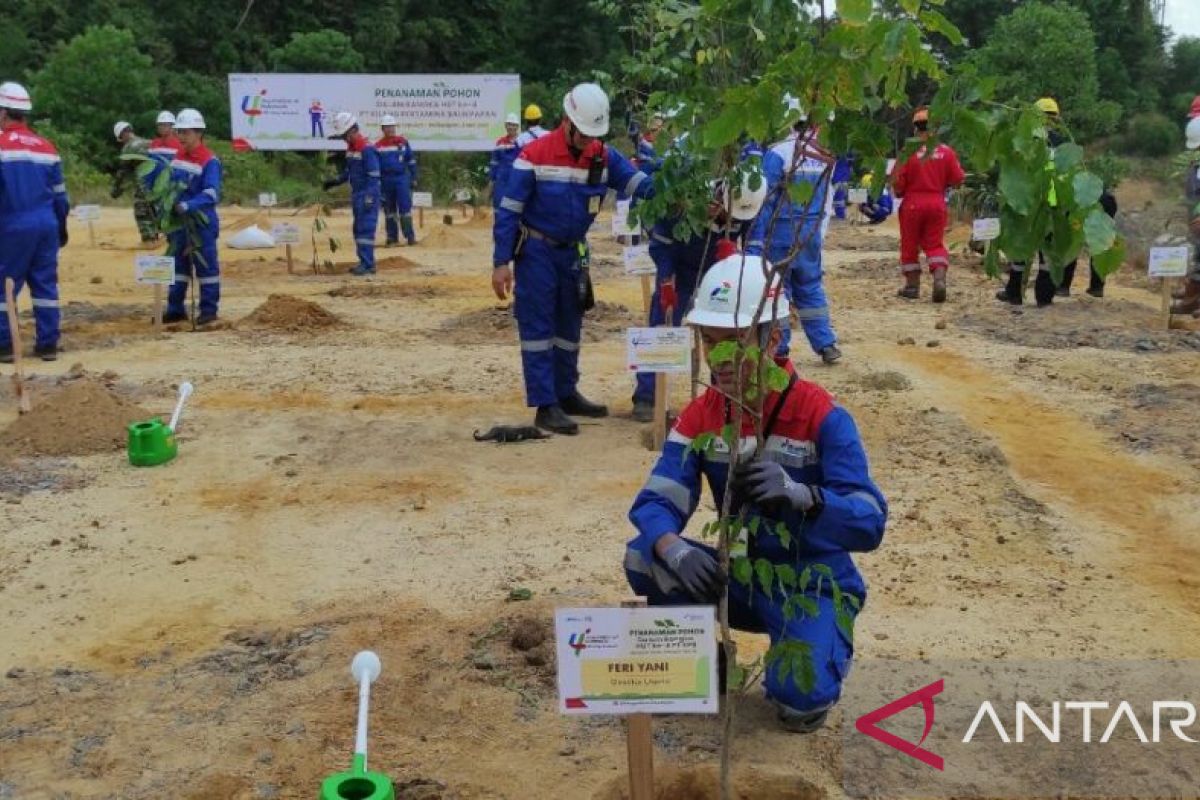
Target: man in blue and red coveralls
{"x": 398, "y": 175}
{"x": 812, "y": 477}
{"x": 503, "y": 156}
{"x": 165, "y": 145}
{"x": 33, "y": 220}
{"x": 550, "y": 201}
{"x": 199, "y": 169}
{"x": 363, "y": 173}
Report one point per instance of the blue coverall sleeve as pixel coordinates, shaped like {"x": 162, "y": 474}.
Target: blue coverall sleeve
{"x": 669, "y": 497}
{"x": 371, "y": 168}
{"x": 855, "y": 510}
{"x": 210, "y": 188}
{"x": 772, "y": 168}
{"x": 62, "y": 204}
{"x": 623, "y": 178}
{"x": 410, "y": 161}
{"x": 517, "y": 191}
{"x": 494, "y": 165}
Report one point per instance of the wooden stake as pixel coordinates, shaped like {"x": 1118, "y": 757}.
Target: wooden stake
{"x": 1166, "y": 302}
{"x": 24, "y": 404}
{"x": 647, "y": 293}
{"x": 639, "y": 743}
{"x": 91, "y": 233}
{"x": 421, "y": 216}
{"x": 660, "y": 409}
{"x": 158, "y": 308}
{"x": 463, "y": 208}
{"x": 287, "y": 248}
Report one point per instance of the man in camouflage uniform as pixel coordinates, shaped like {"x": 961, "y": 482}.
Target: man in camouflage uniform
{"x": 1187, "y": 300}
{"x": 144, "y": 210}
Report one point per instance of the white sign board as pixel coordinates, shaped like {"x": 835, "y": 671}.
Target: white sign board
{"x": 1169, "y": 262}
{"x": 859, "y": 195}
{"x": 285, "y": 233}
{"x": 637, "y": 260}
{"x": 622, "y": 225}
{"x": 267, "y": 200}
{"x": 422, "y": 199}
{"x": 659, "y": 350}
{"x": 462, "y": 196}
{"x": 636, "y": 660}
{"x": 290, "y": 111}
{"x": 154, "y": 270}
{"x": 985, "y": 230}
{"x": 87, "y": 213}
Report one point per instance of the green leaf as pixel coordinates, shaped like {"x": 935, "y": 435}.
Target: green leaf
{"x": 765, "y": 571}
{"x": 801, "y": 193}
{"x": 519, "y": 594}
{"x": 1099, "y": 231}
{"x": 727, "y": 435}
{"x": 752, "y": 526}
{"x": 702, "y": 442}
{"x": 1088, "y": 188}
{"x": 786, "y": 575}
{"x": 1017, "y": 186}
{"x": 911, "y": 6}
{"x": 723, "y": 352}
{"x": 1067, "y": 157}
{"x": 805, "y": 604}
{"x": 743, "y": 571}
{"x": 805, "y": 579}
{"x": 1109, "y": 261}
{"x": 777, "y": 378}
{"x": 991, "y": 261}
{"x": 725, "y": 128}
{"x": 792, "y": 658}
{"x": 854, "y": 12}
{"x": 936, "y": 22}
{"x": 785, "y": 535}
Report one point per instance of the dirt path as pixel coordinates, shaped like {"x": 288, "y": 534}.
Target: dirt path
{"x": 185, "y": 630}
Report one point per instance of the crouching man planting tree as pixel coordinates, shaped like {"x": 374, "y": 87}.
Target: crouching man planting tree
{"x": 801, "y": 499}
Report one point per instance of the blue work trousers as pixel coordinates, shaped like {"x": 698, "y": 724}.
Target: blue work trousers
{"x": 29, "y": 254}
{"x": 365, "y": 208}
{"x": 549, "y": 320}
{"x": 208, "y": 272}
{"x": 806, "y": 292}
{"x": 397, "y": 208}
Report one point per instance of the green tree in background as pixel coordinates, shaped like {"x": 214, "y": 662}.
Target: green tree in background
{"x": 320, "y": 51}
{"x": 1183, "y": 77}
{"x": 96, "y": 78}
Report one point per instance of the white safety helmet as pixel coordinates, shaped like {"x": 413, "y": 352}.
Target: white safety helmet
{"x": 120, "y": 128}
{"x": 165, "y": 118}
{"x": 513, "y": 119}
{"x": 343, "y": 121}
{"x": 1193, "y": 134}
{"x": 189, "y": 120}
{"x": 587, "y": 107}
{"x": 15, "y": 96}
{"x": 792, "y": 103}
{"x": 746, "y": 202}
{"x": 737, "y": 283}
{"x": 387, "y": 119}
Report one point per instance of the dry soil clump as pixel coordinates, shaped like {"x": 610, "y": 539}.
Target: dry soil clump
{"x": 284, "y": 312}
{"x": 82, "y": 419}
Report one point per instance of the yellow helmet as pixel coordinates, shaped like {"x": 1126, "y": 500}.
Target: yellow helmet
{"x": 533, "y": 112}
{"x": 1048, "y": 105}
{"x": 867, "y": 180}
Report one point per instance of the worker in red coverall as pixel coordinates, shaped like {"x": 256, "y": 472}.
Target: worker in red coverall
{"x": 922, "y": 182}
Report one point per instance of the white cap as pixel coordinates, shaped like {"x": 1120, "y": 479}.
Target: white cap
{"x": 189, "y": 120}
{"x": 512, "y": 119}
{"x": 747, "y": 202}
{"x": 587, "y": 107}
{"x": 387, "y": 119}
{"x": 1193, "y": 134}
{"x": 165, "y": 118}
{"x": 343, "y": 121}
{"x": 737, "y": 282}
{"x": 120, "y": 128}
{"x": 15, "y": 96}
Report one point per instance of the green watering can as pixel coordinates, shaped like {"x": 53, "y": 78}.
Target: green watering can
{"x": 357, "y": 783}
{"x": 151, "y": 442}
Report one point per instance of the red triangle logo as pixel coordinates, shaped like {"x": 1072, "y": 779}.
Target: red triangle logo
{"x": 869, "y": 724}
{"x": 575, "y": 702}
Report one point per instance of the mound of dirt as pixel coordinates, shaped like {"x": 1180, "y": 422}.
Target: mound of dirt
{"x": 385, "y": 290}
{"x": 609, "y": 318}
{"x": 886, "y": 381}
{"x": 485, "y": 326}
{"x": 446, "y": 236}
{"x": 284, "y": 312}
{"x": 84, "y": 418}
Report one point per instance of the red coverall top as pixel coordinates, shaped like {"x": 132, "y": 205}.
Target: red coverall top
{"x": 923, "y": 182}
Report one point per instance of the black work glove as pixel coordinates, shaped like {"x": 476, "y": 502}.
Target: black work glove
{"x": 699, "y": 572}
{"x": 766, "y": 484}
{"x": 62, "y": 234}
{"x": 329, "y": 184}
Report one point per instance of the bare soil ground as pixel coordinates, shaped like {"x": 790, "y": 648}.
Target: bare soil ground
{"x": 185, "y": 630}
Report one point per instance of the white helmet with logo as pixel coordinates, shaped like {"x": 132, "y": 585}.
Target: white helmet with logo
{"x": 512, "y": 119}
{"x": 165, "y": 118}
{"x": 747, "y": 202}
{"x": 738, "y": 284}
{"x": 587, "y": 107}
{"x": 120, "y": 128}
{"x": 14, "y": 96}
{"x": 343, "y": 121}
{"x": 189, "y": 120}
{"x": 387, "y": 119}
{"x": 1193, "y": 134}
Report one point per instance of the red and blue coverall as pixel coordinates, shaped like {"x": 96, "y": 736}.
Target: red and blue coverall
{"x": 549, "y": 202}
{"x": 33, "y": 216}
{"x": 922, "y": 183}
{"x": 398, "y": 173}
{"x": 499, "y": 168}
{"x": 818, "y": 444}
{"x": 799, "y": 159}
{"x": 163, "y": 149}
{"x": 201, "y": 171}
{"x": 363, "y": 173}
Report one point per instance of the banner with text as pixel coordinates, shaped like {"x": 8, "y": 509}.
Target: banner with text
{"x": 289, "y": 111}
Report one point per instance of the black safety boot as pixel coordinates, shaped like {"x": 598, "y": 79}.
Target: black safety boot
{"x": 580, "y": 406}
{"x": 170, "y": 317}
{"x": 643, "y": 411}
{"x": 6, "y": 355}
{"x": 831, "y": 354}
{"x": 206, "y": 319}
{"x": 555, "y": 420}
{"x": 1064, "y": 288}
{"x": 1095, "y": 284}
{"x": 1013, "y": 292}
{"x": 939, "y": 285}
{"x": 911, "y": 289}
{"x": 800, "y": 721}
{"x": 47, "y": 352}
{"x": 1044, "y": 288}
